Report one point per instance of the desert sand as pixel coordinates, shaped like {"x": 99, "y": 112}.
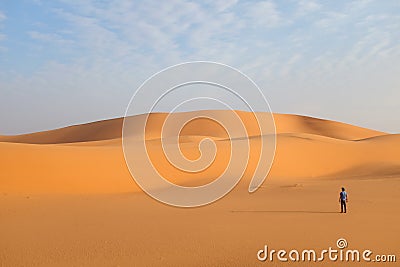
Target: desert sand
{"x": 68, "y": 199}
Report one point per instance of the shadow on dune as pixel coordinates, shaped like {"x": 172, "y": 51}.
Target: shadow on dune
{"x": 367, "y": 171}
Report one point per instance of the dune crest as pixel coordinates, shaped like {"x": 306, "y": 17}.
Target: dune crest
{"x": 111, "y": 129}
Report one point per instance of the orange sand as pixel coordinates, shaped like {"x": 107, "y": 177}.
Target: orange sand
{"x": 67, "y": 198}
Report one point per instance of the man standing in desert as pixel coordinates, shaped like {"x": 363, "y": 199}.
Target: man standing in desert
{"x": 343, "y": 200}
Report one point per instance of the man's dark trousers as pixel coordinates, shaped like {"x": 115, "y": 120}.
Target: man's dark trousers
{"x": 343, "y": 205}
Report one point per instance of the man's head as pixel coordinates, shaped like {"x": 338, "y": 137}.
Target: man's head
{"x": 342, "y": 188}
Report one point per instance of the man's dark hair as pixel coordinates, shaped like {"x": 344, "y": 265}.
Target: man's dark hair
{"x": 342, "y": 188}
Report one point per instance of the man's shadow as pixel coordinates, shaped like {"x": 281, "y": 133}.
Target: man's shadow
{"x": 284, "y": 211}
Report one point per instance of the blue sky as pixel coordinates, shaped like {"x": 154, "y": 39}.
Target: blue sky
{"x": 69, "y": 62}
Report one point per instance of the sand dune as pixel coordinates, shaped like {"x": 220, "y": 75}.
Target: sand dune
{"x": 88, "y": 158}
{"x": 286, "y": 123}
{"x": 111, "y": 129}
{"x": 67, "y": 197}
{"x": 311, "y": 156}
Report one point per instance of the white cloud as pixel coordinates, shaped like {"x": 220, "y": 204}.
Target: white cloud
{"x": 332, "y": 21}
{"x": 221, "y": 5}
{"x": 264, "y": 13}
{"x": 2, "y": 35}
{"x": 2, "y": 16}
{"x": 359, "y": 4}
{"x": 290, "y": 64}
{"x": 49, "y": 37}
{"x": 306, "y": 7}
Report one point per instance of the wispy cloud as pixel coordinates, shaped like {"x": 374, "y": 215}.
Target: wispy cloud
{"x": 3, "y": 36}
{"x": 222, "y": 5}
{"x": 332, "y": 20}
{"x": 2, "y": 16}
{"x": 263, "y": 13}
{"x": 49, "y": 37}
{"x": 305, "y": 7}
